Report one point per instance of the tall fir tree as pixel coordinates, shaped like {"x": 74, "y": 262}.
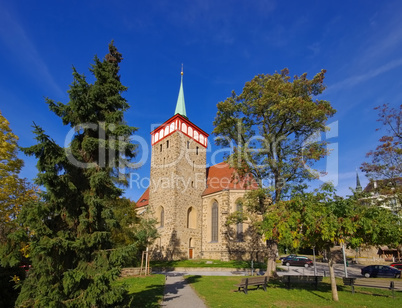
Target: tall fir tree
{"x": 73, "y": 260}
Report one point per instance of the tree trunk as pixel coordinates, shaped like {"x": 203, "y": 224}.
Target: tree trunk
{"x": 332, "y": 277}
{"x": 272, "y": 255}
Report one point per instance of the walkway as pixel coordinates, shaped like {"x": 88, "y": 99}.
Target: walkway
{"x": 178, "y": 293}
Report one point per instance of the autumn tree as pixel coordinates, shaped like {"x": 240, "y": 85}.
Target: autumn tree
{"x": 385, "y": 165}
{"x": 14, "y": 192}
{"x": 271, "y": 128}
{"x": 74, "y": 263}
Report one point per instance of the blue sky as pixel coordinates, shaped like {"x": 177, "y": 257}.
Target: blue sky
{"x": 222, "y": 44}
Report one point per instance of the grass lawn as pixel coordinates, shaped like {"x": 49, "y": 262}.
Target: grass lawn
{"x": 207, "y": 263}
{"x": 145, "y": 291}
{"x": 219, "y": 291}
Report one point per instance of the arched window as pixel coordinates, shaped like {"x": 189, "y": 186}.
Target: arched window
{"x": 214, "y": 222}
{"x": 239, "y": 226}
{"x": 191, "y": 218}
{"x": 184, "y": 128}
{"x": 166, "y": 130}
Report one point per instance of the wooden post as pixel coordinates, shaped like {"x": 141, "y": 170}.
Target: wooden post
{"x": 142, "y": 261}
{"x": 149, "y": 259}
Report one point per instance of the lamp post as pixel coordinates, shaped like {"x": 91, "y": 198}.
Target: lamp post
{"x": 315, "y": 268}
{"x": 344, "y": 260}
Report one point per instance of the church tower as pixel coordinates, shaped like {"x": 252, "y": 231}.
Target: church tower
{"x": 358, "y": 185}
{"x": 178, "y": 179}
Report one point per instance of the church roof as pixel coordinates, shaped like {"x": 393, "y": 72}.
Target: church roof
{"x": 219, "y": 177}
{"x": 180, "y": 105}
{"x": 222, "y": 177}
{"x": 144, "y": 199}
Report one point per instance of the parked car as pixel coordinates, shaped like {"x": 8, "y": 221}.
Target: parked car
{"x": 397, "y": 265}
{"x": 298, "y": 261}
{"x": 287, "y": 257}
{"x": 380, "y": 271}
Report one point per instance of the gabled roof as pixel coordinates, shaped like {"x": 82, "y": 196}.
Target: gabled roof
{"x": 219, "y": 177}
{"x": 222, "y": 177}
{"x": 144, "y": 199}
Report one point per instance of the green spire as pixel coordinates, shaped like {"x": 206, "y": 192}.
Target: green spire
{"x": 180, "y": 105}
{"x": 358, "y": 186}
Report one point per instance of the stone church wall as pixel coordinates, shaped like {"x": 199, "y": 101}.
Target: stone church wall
{"x": 177, "y": 182}
{"x": 228, "y": 246}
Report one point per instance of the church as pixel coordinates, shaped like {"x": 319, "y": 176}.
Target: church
{"x": 190, "y": 202}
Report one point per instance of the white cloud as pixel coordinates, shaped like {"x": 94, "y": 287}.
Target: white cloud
{"x": 356, "y": 79}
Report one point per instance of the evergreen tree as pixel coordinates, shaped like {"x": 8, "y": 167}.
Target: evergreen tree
{"x": 73, "y": 260}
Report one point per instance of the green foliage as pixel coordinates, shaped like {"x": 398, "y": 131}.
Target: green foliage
{"x": 322, "y": 219}
{"x": 14, "y": 190}
{"x": 271, "y": 126}
{"x": 10, "y": 278}
{"x": 385, "y": 167}
{"x": 69, "y": 231}
{"x": 132, "y": 230}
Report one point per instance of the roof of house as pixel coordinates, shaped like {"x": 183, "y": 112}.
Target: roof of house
{"x": 385, "y": 186}
{"x": 219, "y": 177}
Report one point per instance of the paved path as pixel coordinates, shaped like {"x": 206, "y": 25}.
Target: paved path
{"x": 178, "y": 293}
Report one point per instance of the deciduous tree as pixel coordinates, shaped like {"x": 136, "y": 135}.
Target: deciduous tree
{"x": 270, "y": 128}
{"x": 385, "y": 167}
{"x": 132, "y": 229}
{"x": 320, "y": 219}
{"x": 14, "y": 191}
{"x": 386, "y": 159}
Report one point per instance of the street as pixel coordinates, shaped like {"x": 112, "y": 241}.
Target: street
{"x": 354, "y": 270}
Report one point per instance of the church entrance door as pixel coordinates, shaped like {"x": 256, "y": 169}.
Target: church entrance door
{"x": 190, "y": 253}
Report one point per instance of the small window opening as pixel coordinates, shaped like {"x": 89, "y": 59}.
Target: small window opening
{"x": 196, "y": 150}
{"x": 167, "y": 144}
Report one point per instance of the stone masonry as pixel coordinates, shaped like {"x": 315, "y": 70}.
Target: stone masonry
{"x": 177, "y": 182}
